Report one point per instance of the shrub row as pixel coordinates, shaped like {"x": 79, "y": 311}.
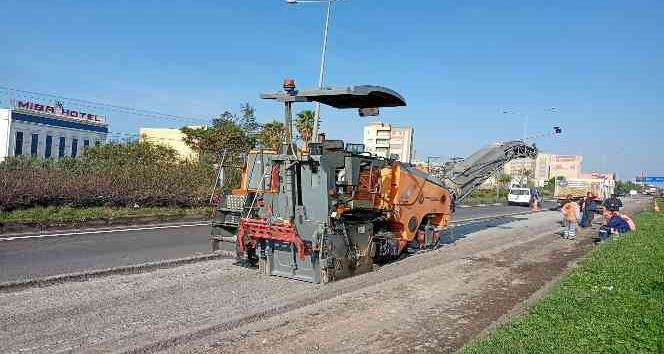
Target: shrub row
{"x": 109, "y": 175}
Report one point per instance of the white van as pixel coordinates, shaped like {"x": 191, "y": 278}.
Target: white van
{"x": 518, "y": 196}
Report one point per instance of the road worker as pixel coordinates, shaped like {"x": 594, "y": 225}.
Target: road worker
{"x": 615, "y": 225}
{"x": 588, "y": 207}
{"x": 570, "y": 211}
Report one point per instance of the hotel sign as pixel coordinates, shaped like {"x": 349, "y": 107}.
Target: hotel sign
{"x": 58, "y": 110}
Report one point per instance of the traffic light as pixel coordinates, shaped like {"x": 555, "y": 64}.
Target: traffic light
{"x": 557, "y": 130}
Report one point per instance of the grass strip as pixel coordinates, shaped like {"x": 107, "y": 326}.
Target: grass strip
{"x": 613, "y": 302}
{"x": 486, "y": 196}
{"x": 69, "y": 214}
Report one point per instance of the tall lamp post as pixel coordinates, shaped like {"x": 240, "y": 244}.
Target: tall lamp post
{"x": 314, "y": 132}
{"x": 526, "y": 117}
{"x": 429, "y": 158}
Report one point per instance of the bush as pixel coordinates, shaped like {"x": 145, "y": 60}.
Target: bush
{"x": 108, "y": 175}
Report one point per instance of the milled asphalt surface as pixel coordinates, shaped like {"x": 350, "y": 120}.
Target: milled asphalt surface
{"x": 23, "y": 259}
{"x": 157, "y": 310}
{"x": 169, "y": 308}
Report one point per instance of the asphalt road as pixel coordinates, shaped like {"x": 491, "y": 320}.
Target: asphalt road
{"x": 30, "y": 256}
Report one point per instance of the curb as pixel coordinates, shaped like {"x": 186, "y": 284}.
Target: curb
{"x": 124, "y": 270}
{"x": 13, "y": 228}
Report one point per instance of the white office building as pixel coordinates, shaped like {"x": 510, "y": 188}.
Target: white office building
{"x": 48, "y": 130}
{"x": 387, "y": 140}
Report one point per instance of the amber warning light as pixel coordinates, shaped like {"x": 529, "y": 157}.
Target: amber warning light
{"x": 369, "y": 112}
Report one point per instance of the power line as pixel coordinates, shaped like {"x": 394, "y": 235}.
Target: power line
{"x": 110, "y": 107}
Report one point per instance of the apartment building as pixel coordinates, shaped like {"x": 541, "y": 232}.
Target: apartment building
{"x": 388, "y": 140}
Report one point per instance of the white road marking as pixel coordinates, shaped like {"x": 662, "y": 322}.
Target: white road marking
{"x": 481, "y": 205}
{"x": 106, "y": 231}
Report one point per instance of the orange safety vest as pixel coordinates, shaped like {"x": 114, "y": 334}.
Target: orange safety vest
{"x": 570, "y": 210}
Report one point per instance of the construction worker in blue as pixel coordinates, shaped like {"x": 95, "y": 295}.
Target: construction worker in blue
{"x": 615, "y": 225}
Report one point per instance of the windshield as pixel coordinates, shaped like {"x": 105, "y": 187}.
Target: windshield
{"x": 520, "y": 192}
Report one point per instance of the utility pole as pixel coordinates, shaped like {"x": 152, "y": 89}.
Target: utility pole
{"x": 429, "y": 158}
{"x": 321, "y": 75}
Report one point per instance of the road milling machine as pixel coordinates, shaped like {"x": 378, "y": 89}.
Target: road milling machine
{"x": 335, "y": 210}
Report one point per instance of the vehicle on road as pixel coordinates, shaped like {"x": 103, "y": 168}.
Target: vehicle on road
{"x": 518, "y": 196}
{"x": 578, "y": 188}
{"x": 333, "y": 210}
{"x": 633, "y": 193}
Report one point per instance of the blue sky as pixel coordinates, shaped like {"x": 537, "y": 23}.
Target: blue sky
{"x": 459, "y": 64}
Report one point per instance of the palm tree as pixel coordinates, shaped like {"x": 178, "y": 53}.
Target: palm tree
{"x": 305, "y": 126}
{"x": 272, "y": 135}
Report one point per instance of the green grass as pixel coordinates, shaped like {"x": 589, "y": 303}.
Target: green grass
{"x": 64, "y": 214}
{"x": 612, "y": 303}
{"x": 486, "y": 196}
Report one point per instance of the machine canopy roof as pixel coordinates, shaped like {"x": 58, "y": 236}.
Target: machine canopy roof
{"x": 364, "y": 96}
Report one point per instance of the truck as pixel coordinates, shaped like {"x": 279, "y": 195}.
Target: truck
{"x": 578, "y": 188}
{"x": 653, "y": 191}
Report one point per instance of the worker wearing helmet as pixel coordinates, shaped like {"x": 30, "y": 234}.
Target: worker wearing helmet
{"x": 613, "y": 203}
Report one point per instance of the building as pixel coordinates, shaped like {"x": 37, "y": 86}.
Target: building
{"x": 387, "y": 140}
{"x": 542, "y": 166}
{"x": 565, "y": 166}
{"x": 48, "y": 130}
{"x": 546, "y": 166}
{"x": 520, "y": 167}
{"x": 171, "y": 137}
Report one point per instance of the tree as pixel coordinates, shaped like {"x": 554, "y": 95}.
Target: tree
{"x": 626, "y": 186}
{"x": 504, "y": 179}
{"x": 229, "y": 137}
{"x": 248, "y": 119}
{"x": 305, "y": 126}
{"x": 271, "y": 135}
{"x": 213, "y": 141}
{"x": 229, "y": 132}
{"x": 550, "y": 187}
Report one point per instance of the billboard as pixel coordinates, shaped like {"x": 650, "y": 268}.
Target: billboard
{"x": 650, "y": 179}
{"x": 57, "y": 109}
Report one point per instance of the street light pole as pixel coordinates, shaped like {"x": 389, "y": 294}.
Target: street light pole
{"x": 526, "y": 118}
{"x": 321, "y": 75}
{"x": 429, "y": 158}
